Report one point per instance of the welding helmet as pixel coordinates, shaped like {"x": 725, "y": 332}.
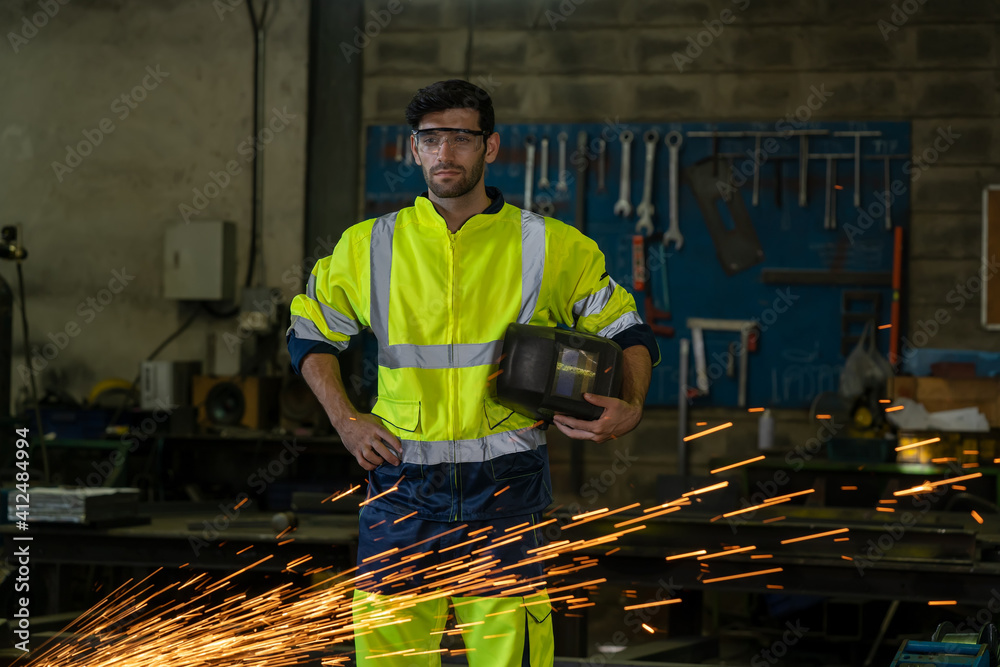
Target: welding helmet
{"x": 545, "y": 371}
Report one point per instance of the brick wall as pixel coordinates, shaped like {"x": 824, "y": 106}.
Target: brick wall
{"x": 934, "y": 63}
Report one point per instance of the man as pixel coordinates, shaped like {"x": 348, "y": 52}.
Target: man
{"x": 457, "y": 482}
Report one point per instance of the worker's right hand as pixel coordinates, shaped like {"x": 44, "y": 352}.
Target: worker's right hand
{"x": 370, "y": 442}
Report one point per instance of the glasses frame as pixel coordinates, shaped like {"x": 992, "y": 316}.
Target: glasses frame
{"x": 461, "y": 130}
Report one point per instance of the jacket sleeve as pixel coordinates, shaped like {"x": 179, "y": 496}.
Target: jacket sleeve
{"x": 586, "y": 297}
{"x": 333, "y": 307}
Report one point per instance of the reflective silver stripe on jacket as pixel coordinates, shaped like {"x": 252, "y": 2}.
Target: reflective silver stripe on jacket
{"x": 595, "y": 303}
{"x": 479, "y": 450}
{"x": 462, "y": 355}
{"x": 306, "y": 329}
{"x": 335, "y": 320}
{"x": 532, "y": 263}
{"x": 629, "y": 319}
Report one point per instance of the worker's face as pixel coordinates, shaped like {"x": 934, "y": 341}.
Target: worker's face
{"x": 454, "y": 170}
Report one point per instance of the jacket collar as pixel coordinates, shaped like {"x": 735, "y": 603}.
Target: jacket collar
{"x": 425, "y": 207}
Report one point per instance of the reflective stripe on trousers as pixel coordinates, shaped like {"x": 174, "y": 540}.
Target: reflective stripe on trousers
{"x": 515, "y": 631}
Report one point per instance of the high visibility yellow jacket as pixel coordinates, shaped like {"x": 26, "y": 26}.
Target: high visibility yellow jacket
{"x": 439, "y": 305}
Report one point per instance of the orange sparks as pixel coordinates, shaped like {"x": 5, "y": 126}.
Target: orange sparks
{"x": 885, "y": 400}
{"x": 659, "y": 603}
{"x": 586, "y": 514}
{"x": 501, "y": 491}
{"x": 895, "y": 408}
{"x": 970, "y": 465}
{"x": 714, "y": 429}
{"x": 773, "y": 519}
{"x": 690, "y": 553}
{"x": 284, "y": 542}
{"x": 335, "y": 497}
{"x": 756, "y": 410}
{"x": 959, "y": 487}
{"x": 967, "y": 452}
{"x": 885, "y": 326}
{"x": 384, "y": 493}
{"x": 648, "y": 628}
{"x": 824, "y": 416}
{"x": 975, "y": 515}
{"x": 927, "y": 486}
{"x": 279, "y": 535}
{"x": 848, "y": 488}
{"x": 941, "y": 603}
{"x": 889, "y": 501}
{"x": 737, "y": 465}
{"x": 493, "y": 376}
{"x": 404, "y": 518}
{"x": 705, "y": 489}
{"x": 776, "y": 587}
{"x": 743, "y": 576}
{"x": 884, "y": 509}
{"x": 702, "y": 424}
{"x": 812, "y": 537}
{"x": 241, "y": 503}
{"x": 738, "y": 550}
{"x": 537, "y": 423}
{"x": 613, "y": 551}
{"x": 244, "y": 549}
{"x": 846, "y": 557}
{"x": 918, "y": 444}
{"x": 759, "y": 556}
{"x": 842, "y": 539}
{"x": 946, "y": 459}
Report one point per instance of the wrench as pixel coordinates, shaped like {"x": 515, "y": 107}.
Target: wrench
{"x": 543, "y": 182}
{"x": 673, "y": 233}
{"x": 561, "y": 185}
{"x": 529, "y": 170}
{"x": 601, "y": 150}
{"x": 645, "y": 208}
{"x": 623, "y": 206}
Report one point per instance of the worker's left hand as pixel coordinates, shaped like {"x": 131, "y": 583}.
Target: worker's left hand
{"x": 618, "y": 419}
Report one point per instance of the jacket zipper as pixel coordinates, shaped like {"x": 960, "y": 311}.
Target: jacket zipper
{"x": 453, "y": 390}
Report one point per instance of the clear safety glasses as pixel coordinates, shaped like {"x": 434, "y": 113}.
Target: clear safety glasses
{"x": 429, "y": 141}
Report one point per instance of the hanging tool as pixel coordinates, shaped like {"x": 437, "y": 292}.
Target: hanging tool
{"x": 738, "y": 248}
{"x": 748, "y": 343}
{"x": 543, "y": 182}
{"x": 623, "y": 206}
{"x": 602, "y": 147}
{"x": 897, "y": 288}
{"x": 673, "y": 233}
{"x": 887, "y": 185}
{"x": 654, "y": 313}
{"x": 646, "y": 208}
{"x": 561, "y": 185}
{"x": 529, "y": 170}
{"x": 857, "y": 134}
{"x": 581, "y": 161}
{"x": 755, "y": 200}
{"x": 399, "y": 147}
{"x": 830, "y": 206}
{"x": 639, "y": 275}
{"x": 700, "y": 365}
{"x": 682, "y": 407}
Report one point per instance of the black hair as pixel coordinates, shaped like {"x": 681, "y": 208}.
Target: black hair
{"x": 451, "y": 94}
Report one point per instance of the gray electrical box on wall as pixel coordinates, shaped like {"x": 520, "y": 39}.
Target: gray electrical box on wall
{"x": 199, "y": 261}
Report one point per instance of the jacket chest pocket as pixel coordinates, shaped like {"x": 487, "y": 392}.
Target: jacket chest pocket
{"x": 401, "y": 415}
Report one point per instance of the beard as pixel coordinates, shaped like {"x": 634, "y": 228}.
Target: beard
{"x": 460, "y": 186}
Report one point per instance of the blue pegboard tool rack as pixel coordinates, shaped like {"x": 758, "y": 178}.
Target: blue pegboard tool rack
{"x": 801, "y": 350}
